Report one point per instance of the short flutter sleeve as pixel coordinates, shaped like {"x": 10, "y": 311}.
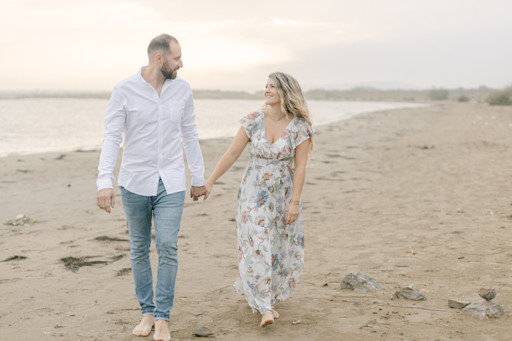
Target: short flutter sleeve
{"x": 304, "y": 132}
{"x": 249, "y": 123}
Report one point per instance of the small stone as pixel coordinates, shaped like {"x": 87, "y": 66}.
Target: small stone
{"x": 484, "y": 310}
{"x": 203, "y": 332}
{"x": 456, "y": 304}
{"x": 297, "y": 322}
{"x": 409, "y": 293}
{"x": 360, "y": 283}
{"x": 487, "y": 294}
{"x": 20, "y": 220}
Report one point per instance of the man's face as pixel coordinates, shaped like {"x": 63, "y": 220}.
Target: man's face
{"x": 172, "y": 62}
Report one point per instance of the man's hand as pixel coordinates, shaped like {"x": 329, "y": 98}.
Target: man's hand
{"x": 106, "y": 199}
{"x": 196, "y": 192}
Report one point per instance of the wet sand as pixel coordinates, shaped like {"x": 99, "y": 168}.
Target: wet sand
{"x": 414, "y": 196}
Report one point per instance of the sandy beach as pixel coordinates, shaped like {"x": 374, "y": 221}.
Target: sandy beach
{"x": 414, "y": 196}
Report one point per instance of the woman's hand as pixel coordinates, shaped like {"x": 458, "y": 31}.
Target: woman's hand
{"x": 209, "y": 186}
{"x": 292, "y": 212}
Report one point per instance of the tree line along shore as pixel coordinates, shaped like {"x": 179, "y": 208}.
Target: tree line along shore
{"x": 480, "y": 94}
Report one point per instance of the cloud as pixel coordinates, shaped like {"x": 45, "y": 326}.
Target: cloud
{"x": 232, "y": 44}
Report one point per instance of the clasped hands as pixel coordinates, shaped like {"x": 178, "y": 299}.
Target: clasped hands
{"x": 106, "y": 198}
{"x": 199, "y": 191}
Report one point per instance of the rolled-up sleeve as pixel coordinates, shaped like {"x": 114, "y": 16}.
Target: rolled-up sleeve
{"x": 115, "y": 118}
{"x": 191, "y": 144}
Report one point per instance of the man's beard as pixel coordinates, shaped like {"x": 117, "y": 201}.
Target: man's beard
{"x": 168, "y": 74}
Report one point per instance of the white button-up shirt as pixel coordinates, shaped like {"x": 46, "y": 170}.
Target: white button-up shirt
{"x": 154, "y": 128}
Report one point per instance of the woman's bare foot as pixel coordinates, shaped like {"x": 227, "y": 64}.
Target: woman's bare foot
{"x": 145, "y": 326}
{"x": 266, "y": 319}
{"x": 276, "y": 314}
{"x": 162, "y": 332}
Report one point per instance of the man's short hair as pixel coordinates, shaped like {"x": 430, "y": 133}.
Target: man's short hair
{"x": 161, "y": 43}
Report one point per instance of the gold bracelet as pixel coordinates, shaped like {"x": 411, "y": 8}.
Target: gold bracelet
{"x": 297, "y": 202}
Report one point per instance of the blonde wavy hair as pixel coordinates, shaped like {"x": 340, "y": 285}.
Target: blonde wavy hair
{"x": 292, "y": 100}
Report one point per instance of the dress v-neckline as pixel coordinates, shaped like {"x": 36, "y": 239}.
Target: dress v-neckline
{"x": 265, "y": 130}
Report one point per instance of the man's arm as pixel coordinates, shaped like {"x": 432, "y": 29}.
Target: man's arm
{"x": 193, "y": 150}
{"x": 115, "y": 118}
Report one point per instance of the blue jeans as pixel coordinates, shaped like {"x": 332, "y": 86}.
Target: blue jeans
{"x": 166, "y": 210}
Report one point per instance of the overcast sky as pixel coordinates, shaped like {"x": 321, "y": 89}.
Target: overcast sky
{"x": 235, "y": 44}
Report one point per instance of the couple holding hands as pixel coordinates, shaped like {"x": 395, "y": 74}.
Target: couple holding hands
{"x": 155, "y": 111}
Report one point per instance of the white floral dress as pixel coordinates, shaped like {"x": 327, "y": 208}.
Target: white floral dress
{"x": 270, "y": 252}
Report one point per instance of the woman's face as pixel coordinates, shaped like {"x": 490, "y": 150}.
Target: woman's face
{"x": 271, "y": 95}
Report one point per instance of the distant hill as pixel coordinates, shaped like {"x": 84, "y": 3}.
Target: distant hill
{"x": 354, "y": 94}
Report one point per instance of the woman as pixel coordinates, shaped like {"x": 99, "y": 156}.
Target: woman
{"x": 270, "y": 229}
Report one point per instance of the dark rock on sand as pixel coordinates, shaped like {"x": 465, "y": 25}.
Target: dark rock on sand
{"x": 456, "y": 304}
{"x": 409, "y": 293}
{"x": 360, "y": 282}
{"x": 484, "y": 310}
{"x": 487, "y": 294}
{"x": 203, "y": 332}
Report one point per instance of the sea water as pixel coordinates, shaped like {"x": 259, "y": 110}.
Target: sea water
{"x": 38, "y": 125}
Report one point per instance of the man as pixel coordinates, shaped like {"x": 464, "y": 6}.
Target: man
{"x": 155, "y": 110}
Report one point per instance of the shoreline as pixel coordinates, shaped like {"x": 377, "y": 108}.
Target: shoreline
{"x": 348, "y": 116}
{"x": 409, "y": 196}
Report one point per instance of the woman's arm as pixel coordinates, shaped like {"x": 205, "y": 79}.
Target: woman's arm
{"x": 228, "y": 159}
{"x": 300, "y": 161}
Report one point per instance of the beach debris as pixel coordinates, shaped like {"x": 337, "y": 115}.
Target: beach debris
{"x": 296, "y": 322}
{"x": 456, "y": 304}
{"x": 409, "y": 293}
{"x": 202, "y": 332}
{"x": 487, "y": 294}
{"x": 360, "y": 282}
{"x": 73, "y": 263}
{"x": 14, "y": 258}
{"x": 117, "y": 257}
{"x": 109, "y": 239}
{"x": 371, "y": 326}
{"x": 425, "y": 146}
{"x": 21, "y": 220}
{"x": 123, "y": 271}
{"x": 484, "y": 310}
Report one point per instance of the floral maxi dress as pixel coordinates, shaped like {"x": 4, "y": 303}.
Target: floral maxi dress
{"x": 270, "y": 252}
